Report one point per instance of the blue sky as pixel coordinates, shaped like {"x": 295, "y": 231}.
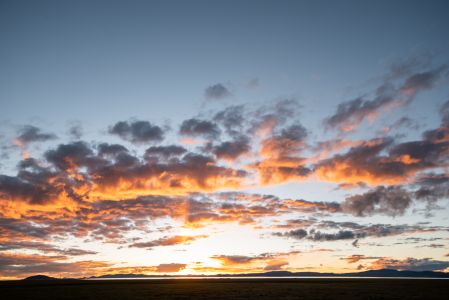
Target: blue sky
{"x": 311, "y": 67}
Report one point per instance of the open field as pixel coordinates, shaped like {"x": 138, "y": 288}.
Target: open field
{"x": 318, "y": 288}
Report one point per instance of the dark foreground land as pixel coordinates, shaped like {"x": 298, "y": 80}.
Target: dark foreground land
{"x": 316, "y": 288}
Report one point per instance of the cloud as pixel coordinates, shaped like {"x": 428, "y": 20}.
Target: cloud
{"x": 410, "y": 264}
{"x": 350, "y": 114}
{"x": 275, "y": 265}
{"x": 199, "y": 128}
{"x": 287, "y": 143}
{"x": 358, "y": 257}
{"x": 250, "y": 263}
{"x": 170, "y": 268}
{"x": 138, "y": 132}
{"x": 390, "y": 201}
{"x": 232, "y": 119}
{"x": 108, "y": 192}
{"x": 29, "y": 134}
{"x": 403, "y": 122}
{"x": 33, "y": 187}
{"x": 432, "y": 187}
{"x": 111, "y": 220}
{"x": 296, "y": 234}
{"x": 77, "y": 171}
{"x": 43, "y": 247}
{"x": 76, "y": 131}
{"x": 340, "y": 235}
{"x": 422, "y": 81}
{"x": 239, "y": 259}
{"x": 18, "y": 265}
{"x": 72, "y": 155}
{"x": 217, "y": 92}
{"x": 168, "y": 241}
{"x": 334, "y": 231}
{"x": 268, "y": 118}
{"x": 363, "y": 163}
{"x": 280, "y": 152}
{"x": 231, "y": 150}
{"x": 164, "y": 151}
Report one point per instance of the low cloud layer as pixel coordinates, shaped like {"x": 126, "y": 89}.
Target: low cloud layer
{"x": 149, "y": 188}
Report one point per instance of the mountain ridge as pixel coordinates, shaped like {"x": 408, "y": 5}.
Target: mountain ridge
{"x": 385, "y": 273}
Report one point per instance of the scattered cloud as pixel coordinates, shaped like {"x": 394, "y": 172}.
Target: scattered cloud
{"x": 168, "y": 241}
{"x": 217, "y": 92}
{"x": 137, "y": 132}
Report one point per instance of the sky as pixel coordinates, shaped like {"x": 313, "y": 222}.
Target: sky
{"x": 212, "y": 137}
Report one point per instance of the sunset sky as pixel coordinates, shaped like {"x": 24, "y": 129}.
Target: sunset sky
{"x": 205, "y": 137}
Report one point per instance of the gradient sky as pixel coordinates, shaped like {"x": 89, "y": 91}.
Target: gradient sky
{"x": 203, "y": 137}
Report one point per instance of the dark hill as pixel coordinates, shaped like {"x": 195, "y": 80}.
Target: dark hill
{"x": 40, "y": 277}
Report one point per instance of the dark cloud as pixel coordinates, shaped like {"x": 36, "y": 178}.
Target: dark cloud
{"x": 243, "y": 259}
{"x": 287, "y": 143}
{"x": 231, "y": 150}
{"x": 335, "y": 231}
{"x": 18, "y": 228}
{"x": 350, "y": 114}
{"x": 432, "y": 187}
{"x": 44, "y": 248}
{"x": 422, "y": 153}
{"x": 217, "y": 92}
{"x": 232, "y": 119}
{"x": 76, "y": 170}
{"x": 165, "y": 151}
{"x": 16, "y": 264}
{"x": 67, "y": 156}
{"x": 410, "y": 264}
{"x": 202, "y": 128}
{"x": 33, "y": 186}
{"x": 29, "y": 134}
{"x": 268, "y": 118}
{"x": 422, "y": 81}
{"x": 296, "y": 234}
{"x": 111, "y": 150}
{"x": 340, "y": 235}
{"x": 390, "y": 201}
{"x": 138, "y": 132}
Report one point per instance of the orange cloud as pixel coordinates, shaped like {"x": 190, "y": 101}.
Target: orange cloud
{"x": 169, "y": 241}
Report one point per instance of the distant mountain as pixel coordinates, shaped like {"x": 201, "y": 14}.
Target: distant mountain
{"x": 40, "y": 277}
{"x": 385, "y": 273}
{"x": 118, "y": 276}
{"x": 396, "y": 273}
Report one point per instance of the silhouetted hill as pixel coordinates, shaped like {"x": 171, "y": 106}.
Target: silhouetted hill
{"x": 113, "y": 276}
{"x": 40, "y": 277}
{"x": 396, "y": 273}
{"x": 384, "y": 273}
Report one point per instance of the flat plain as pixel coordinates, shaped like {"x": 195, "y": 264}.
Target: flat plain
{"x": 310, "y": 288}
